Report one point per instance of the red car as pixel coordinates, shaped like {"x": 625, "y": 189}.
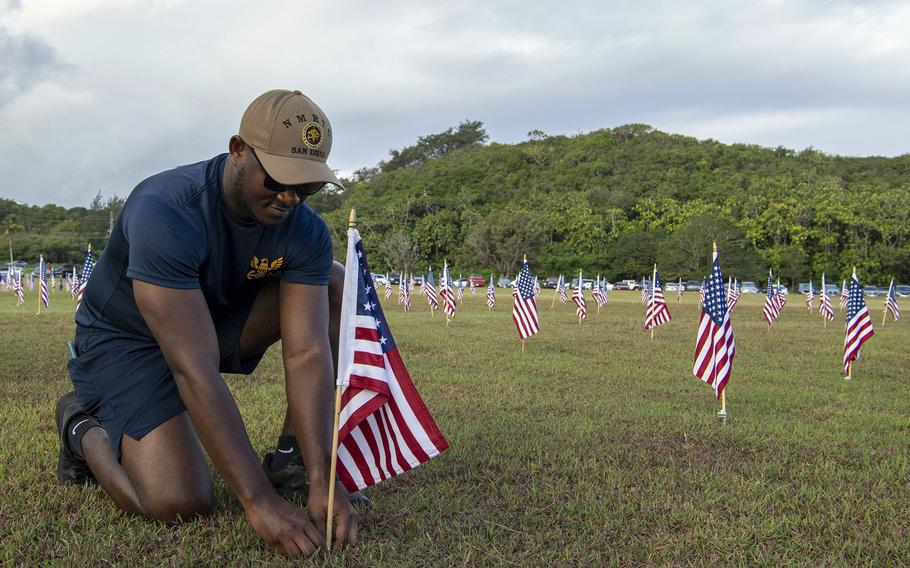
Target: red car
{"x": 476, "y": 279}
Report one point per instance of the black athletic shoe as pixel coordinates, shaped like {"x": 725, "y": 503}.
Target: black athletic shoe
{"x": 71, "y": 469}
{"x": 291, "y": 480}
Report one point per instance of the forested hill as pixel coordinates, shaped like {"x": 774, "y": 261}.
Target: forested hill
{"x": 616, "y": 201}
{"x": 613, "y": 201}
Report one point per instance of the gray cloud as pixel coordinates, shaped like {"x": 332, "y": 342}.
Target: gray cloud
{"x": 27, "y": 60}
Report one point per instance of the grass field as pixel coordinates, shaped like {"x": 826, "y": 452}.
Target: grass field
{"x": 596, "y": 446}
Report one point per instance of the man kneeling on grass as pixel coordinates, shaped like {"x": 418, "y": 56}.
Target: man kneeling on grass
{"x": 207, "y": 266}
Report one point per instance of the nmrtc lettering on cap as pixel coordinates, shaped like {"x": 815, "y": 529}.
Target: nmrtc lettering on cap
{"x": 291, "y": 135}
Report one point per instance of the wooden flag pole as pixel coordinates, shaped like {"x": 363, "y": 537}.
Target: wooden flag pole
{"x": 332, "y": 472}
{"x": 849, "y": 371}
{"x": 723, "y": 394}
{"x": 330, "y": 506}
{"x": 653, "y": 291}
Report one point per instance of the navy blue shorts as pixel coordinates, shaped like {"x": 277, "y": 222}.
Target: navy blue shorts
{"x": 124, "y": 381}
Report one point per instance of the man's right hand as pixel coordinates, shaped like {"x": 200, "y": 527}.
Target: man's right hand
{"x": 284, "y": 527}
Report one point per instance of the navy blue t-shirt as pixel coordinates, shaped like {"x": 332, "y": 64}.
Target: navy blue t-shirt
{"x": 176, "y": 230}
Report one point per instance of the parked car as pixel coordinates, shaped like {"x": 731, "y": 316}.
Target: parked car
{"x": 749, "y": 287}
{"x": 68, "y": 268}
{"x": 804, "y": 288}
{"x": 550, "y": 282}
{"x": 902, "y": 290}
{"x": 672, "y": 286}
{"x": 874, "y": 291}
{"x": 632, "y": 285}
{"x": 504, "y": 283}
{"x": 380, "y": 279}
{"x": 693, "y": 285}
{"x": 832, "y": 289}
{"x": 621, "y": 286}
{"x": 55, "y": 270}
{"x": 477, "y": 279}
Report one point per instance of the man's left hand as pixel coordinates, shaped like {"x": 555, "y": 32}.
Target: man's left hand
{"x": 345, "y": 523}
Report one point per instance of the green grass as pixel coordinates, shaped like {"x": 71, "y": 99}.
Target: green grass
{"x": 596, "y": 446}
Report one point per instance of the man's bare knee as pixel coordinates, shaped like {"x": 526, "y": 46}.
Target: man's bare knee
{"x": 177, "y": 508}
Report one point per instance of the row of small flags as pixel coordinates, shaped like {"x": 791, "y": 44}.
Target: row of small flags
{"x": 715, "y": 346}
{"x": 73, "y": 283}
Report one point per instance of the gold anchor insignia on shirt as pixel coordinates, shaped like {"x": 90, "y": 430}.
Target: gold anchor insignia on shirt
{"x": 261, "y": 267}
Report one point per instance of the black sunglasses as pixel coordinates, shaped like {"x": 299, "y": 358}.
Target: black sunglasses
{"x": 303, "y": 190}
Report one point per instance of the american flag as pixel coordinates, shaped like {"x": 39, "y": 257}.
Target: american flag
{"x": 733, "y": 298}
{"x": 402, "y": 285}
{"x": 824, "y": 303}
{"x": 679, "y": 290}
{"x": 407, "y": 293}
{"x": 53, "y": 278}
{"x": 42, "y": 283}
{"x": 87, "y": 268}
{"x": 771, "y": 310}
{"x": 74, "y": 284}
{"x": 714, "y": 346}
{"x": 780, "y": 296}
{"x": 561, "y": 289}
{"x": 844, "y": 295}
{"x": 429, "y": 288}
{"x": 17, "y": 287}
{"x": 578, "y": 296}
{"x": 657, "y": 305}
{"x": 595, "y": 291}
{"x": 536, "y": 287}
{"x": 645, "y": 292}
{"x": 701, "y": 293}
{"x": 524, "y": 307}
{"x": 891, "y": 305}
{"x": 810, "y": 296}
{"x": 491, "y": 294}
{"x": 602, "y": 288}
{"x": 384, "y": 427}
{"x": 460, "y": 288}
{"x": 388, "y": 287}
{"x": 859, "y": 323}
{"x": 473, "y": 288}
{"x": 31, "y": 282}
{"x": 446, "y": 292}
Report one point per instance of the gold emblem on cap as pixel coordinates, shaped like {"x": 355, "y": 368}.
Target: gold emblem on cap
{"x": 312, "y": 135}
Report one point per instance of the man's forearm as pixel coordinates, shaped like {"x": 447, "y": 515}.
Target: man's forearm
{"x": 220, "y": 428}
{"x": 310, "y": 387}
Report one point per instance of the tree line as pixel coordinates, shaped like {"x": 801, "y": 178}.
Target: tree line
{"x": 613, "y": 201}
{"x": 616, "y": 201}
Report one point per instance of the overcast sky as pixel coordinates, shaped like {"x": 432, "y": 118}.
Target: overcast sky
{"x": 99, "y": 94}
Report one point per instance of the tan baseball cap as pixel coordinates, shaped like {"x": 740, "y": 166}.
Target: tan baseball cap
{"x": 291, "y": 135}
